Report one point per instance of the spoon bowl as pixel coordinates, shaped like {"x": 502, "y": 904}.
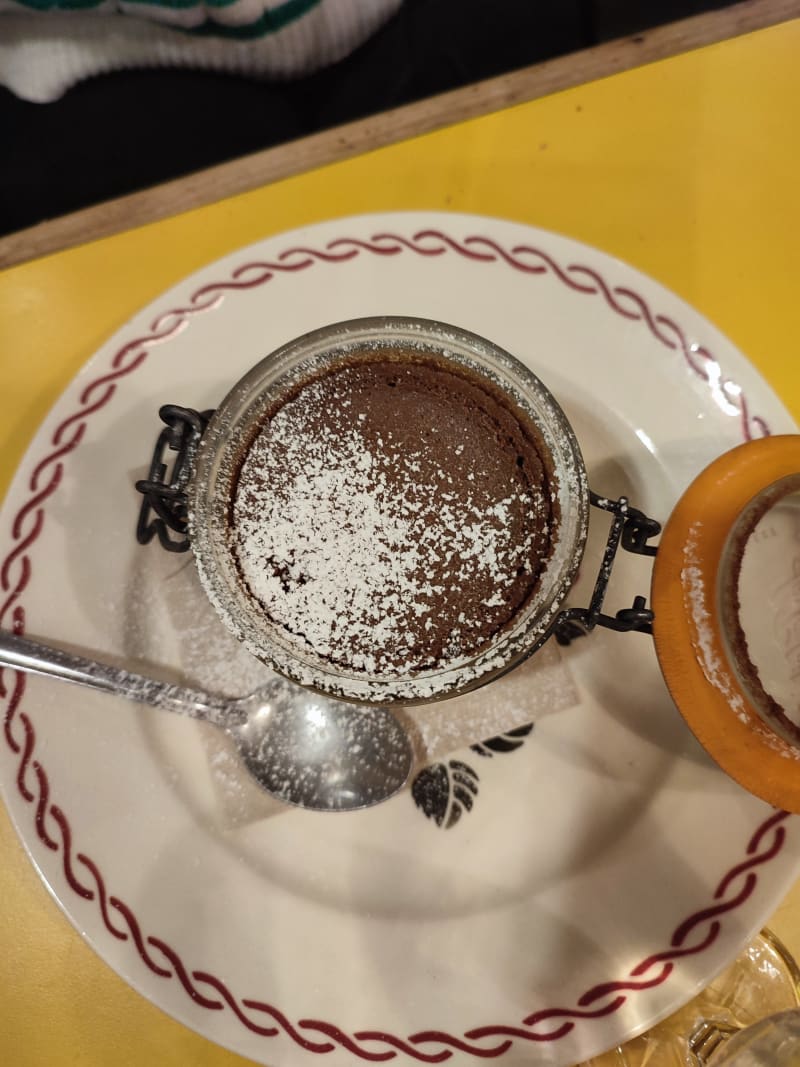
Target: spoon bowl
{"x": 304, "y": 749}
{"x": 321, "y": 753}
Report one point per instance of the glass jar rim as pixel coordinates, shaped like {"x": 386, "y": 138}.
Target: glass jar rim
{"x": 244, "y": 407}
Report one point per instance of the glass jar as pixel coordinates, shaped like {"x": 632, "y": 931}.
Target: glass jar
{"x": 246, "y": 408}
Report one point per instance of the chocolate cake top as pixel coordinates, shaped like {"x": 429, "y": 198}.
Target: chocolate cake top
{"x": 392, "y": 514}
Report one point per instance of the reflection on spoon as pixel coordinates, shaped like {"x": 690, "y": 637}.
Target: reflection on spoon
{"x": 303, "y": 749}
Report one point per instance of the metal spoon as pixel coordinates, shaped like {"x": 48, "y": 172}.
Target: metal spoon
{"x": 304, "y": 749}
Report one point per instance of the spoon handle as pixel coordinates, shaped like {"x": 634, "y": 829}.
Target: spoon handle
{"x": 32, "y": 657}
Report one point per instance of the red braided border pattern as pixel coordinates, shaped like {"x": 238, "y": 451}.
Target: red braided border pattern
{"x": 693, "y": 935}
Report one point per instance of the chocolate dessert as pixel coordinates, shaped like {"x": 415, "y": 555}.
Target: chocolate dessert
{"x": 392, "y": 513}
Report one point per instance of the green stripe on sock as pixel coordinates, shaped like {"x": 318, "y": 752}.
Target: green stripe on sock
{"x": 268, "y": 22}
{"x": 272, "y": 20}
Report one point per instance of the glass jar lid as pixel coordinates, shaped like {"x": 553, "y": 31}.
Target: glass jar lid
{"x": 726, "y": 597}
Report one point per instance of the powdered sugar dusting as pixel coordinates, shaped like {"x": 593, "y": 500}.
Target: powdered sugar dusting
{"x": 388, "y": 552}
{"x": 696, "y": 592}
{"x": 717, "y": 672}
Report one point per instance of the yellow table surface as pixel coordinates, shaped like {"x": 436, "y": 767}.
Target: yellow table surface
{"x": 688, "y": 168}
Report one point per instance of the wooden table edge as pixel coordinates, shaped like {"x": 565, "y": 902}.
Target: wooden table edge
{"x": 342, "y": 142}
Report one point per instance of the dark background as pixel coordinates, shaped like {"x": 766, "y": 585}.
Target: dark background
{"x": 121, "y": 132}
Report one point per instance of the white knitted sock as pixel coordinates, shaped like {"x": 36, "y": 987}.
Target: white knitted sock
{"x": 42, "y": 54}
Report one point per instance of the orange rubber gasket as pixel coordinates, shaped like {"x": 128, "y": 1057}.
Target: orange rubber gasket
{"x": 688, "y": 631}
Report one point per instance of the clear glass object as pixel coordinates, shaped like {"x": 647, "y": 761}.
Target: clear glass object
{"x": 773, "y": 1042}
{"x": 244, "y": 408}
{"x": 760, "y": 986}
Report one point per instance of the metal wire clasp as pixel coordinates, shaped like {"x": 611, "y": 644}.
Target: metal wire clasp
{"x": 631, "y": 529}
{"x": 164, "y": 511}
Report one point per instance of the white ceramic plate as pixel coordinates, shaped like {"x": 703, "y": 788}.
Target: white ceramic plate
{"x": 600, "y": 871}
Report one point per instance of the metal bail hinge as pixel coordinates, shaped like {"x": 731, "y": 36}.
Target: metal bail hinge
{"x": 631, "y": 529}
{"x": 164, "y": 511}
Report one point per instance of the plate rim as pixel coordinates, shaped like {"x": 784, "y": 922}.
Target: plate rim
{"x": 66, "y": 438}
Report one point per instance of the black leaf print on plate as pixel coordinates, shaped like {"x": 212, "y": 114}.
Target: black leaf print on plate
{"x": 510, "y": 741}
{"x": 444, "y": 791}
